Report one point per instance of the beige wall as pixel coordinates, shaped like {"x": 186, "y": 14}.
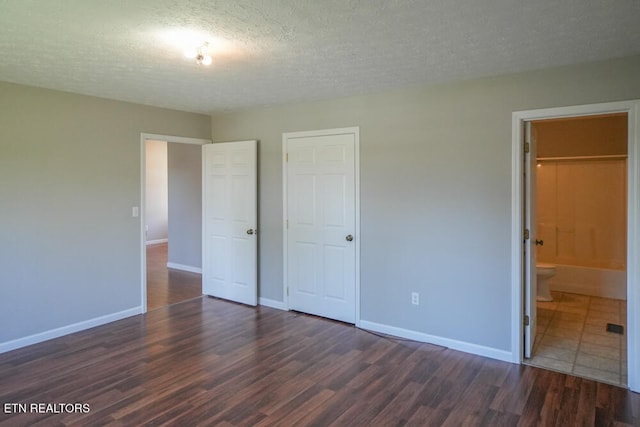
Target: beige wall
{"x": 435, "y": 197}
{"x": 582, "y": 212}
{"x": 435, "y": 192}
{"x": 582, "y": 136}
{"x": 581, "y": 190}
{"x": 156, "y": 201}
{"x": 70, "y": 250}
{"x": 185, "y": 205}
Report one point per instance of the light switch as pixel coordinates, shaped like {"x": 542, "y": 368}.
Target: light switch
{"x": 135, "y": 212}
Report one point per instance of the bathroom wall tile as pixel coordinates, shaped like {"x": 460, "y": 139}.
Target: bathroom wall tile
{"x": 597, "y": 362}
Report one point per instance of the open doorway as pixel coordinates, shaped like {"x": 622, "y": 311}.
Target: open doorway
{"x": 171, "y": 226}
{"x": 524, "y": 237}
{"x": 580, "y": 244}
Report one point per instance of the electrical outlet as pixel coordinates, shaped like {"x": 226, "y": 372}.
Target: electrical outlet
{"x": 415, "y": 298}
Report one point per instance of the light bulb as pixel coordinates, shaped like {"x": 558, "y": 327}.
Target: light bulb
{"x": 198, "y": 54}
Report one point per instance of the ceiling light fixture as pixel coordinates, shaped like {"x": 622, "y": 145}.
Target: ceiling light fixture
{"x": 199, "y": 53}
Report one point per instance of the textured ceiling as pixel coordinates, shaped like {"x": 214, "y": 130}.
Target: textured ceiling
{"x": 269, "y": 52}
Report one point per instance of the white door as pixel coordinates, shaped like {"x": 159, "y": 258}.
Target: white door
{"x": 321, "y": 235}
{"x": 529, "y": 243}
{"x": 229, "y": 221}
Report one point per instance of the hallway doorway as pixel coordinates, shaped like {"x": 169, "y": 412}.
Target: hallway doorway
{"x": 171, "y": 263}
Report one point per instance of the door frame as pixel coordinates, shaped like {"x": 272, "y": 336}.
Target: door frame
{"x": 529, "y": 198}
{"x": 632, "y": 108}
{"x": 143, "y": 184}
{"x": 355, "y": 131}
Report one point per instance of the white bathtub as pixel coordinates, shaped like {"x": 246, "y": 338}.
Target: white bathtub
{"x": 599, "y": 282}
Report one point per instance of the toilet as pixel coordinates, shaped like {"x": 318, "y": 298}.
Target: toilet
{"x": 544, "y": 272}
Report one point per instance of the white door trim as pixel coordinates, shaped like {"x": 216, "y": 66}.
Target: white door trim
{"x": 325, "y": 132}
{"x": 143, "y": 173}
{"x": 632, "y": 108}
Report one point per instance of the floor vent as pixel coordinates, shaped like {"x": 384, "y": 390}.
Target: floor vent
{"x": 616, "y": 329}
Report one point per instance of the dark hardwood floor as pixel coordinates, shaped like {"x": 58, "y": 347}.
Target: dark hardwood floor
{"x": 210, "y": 362}
{"x": 168, "y": 286}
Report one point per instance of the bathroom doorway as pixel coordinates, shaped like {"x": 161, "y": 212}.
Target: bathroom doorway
{"x": 524, "y": 251}
{"x": 580, "y": 245}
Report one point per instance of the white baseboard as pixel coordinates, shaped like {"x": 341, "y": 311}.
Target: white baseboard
{"x": 183, "y": 267}
{"x": 155, "y": 242}
{"x": 272, "y": 303}
{"x": 476, "y": 349}
{"x": 69, "y": 329}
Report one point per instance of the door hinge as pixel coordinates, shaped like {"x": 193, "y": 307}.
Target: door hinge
{"x": 526, "y": 320}
{"x": 526, "y": 147}
{"x": 287, "y": 291}
{"x": 526, "y": 234}
{"x": 286, "y": 157}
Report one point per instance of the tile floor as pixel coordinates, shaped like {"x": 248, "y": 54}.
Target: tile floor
{"x": 572, "y": 337}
